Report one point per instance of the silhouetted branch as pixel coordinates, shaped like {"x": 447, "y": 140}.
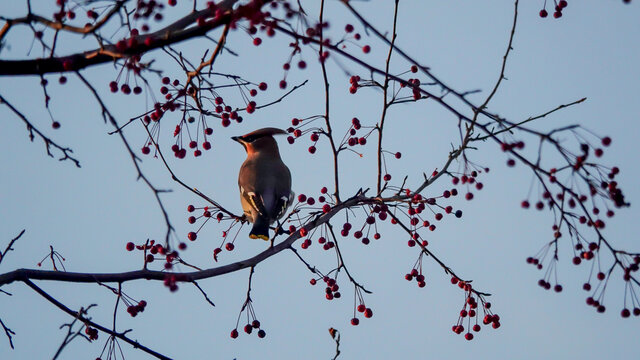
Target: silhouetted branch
{"x": 8, "y": 332}
{"x": 82, "y": 318}
{"x": 9, "y": 246}
{"x": 47, "y": 141}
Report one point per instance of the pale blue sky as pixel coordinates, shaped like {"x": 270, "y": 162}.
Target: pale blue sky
{"x": 89, "y": 214}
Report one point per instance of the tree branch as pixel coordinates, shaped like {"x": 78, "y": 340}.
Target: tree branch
{"x": 171, "y": 34}
{"x": 32, "y": 129}
{"x": 78, "y": 315}
{"x": 9, "y": 247}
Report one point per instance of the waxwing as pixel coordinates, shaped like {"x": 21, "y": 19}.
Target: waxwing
{"x": 264, "y": 181}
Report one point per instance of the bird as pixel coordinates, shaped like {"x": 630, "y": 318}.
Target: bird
{"x": 264, "y": 181}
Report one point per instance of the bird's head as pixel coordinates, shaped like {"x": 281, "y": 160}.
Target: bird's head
{"x": 260, "y": 140}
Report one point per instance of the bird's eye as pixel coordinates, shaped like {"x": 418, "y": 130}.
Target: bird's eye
{"x": 249, "y": 139}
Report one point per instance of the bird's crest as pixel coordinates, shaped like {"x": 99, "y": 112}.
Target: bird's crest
{"x": 268, "y": 131}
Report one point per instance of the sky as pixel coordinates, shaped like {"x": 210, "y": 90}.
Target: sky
{"x": 89, "y": 214}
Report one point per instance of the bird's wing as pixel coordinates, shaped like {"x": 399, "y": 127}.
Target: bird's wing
{"x": 284, "y": 203}
{"x": 266, "y": 188}
{"x": 253, "y": 201}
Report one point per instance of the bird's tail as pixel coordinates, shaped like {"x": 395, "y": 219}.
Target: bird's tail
{"x": 260, "y": 229}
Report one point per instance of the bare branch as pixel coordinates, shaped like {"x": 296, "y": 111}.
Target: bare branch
{"x": 47, "y": 141}
{"x": 9, "y": 247}
{"x": 78, "y": 315}
{"x": 8, "y": 332}
{"x": 171, "y": 34}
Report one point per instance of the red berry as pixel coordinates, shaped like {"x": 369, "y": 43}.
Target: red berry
{"x": 130, "y": 246}
{"x": 543, "y": 13}
{"x": 468, "y": 336}
{"x": 368, "y": 313}
{"x": 366, "y": 49}
{"x": 229, "y": 247}
{"x": 192, "y": 236}
{"x": 261, "y": 334}
{"x": 355, "y": 321}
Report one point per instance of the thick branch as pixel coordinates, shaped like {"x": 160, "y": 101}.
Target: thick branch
{"x": 171, "y": 34}
{"x": 27, "y": 274}
{"x": 75, "y": 314}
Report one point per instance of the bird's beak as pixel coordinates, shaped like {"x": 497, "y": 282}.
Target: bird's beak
{"x": 236, "y": 138}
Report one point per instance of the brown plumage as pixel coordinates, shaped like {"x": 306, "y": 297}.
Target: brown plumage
{"x": 264, "y": 181}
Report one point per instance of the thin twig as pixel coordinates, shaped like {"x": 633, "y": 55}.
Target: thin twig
{"x": 47, "y": 141}
{"x": 8, "y": 332}
{"x": 342, "y": 263}
{"x": 9, "y": 247}
{"x": 385, "y": 106}
{"x": 517, "y": 125}
{"x": 335, "y": 335}
{"x": 329, "y": 132}
{"x": 156, "y": 192}
{"x": 206, "y": 297}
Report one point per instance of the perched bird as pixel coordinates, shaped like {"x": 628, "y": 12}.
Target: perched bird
{"x": 264, "y": 181}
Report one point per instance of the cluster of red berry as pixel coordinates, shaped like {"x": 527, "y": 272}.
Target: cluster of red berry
{"x": 558, "y": 10}
{"x": 470, "y": 311}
